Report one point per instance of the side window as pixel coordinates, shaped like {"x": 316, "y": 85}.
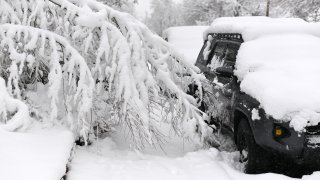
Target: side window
{"x": 203, "y": 56}
{"x": 217, "y": 57}
{"x": 200, "y": 59}
{"x": 231, "y": 54}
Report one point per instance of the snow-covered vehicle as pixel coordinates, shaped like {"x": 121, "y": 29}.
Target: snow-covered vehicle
{"x": 186, "y": 39}
{"x": 263, "y": 85}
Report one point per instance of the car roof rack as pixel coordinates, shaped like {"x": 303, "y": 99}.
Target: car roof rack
{"x": 227, "y": 36}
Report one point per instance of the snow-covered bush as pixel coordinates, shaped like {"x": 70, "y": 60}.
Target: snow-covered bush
{"x": 93, "y": 52}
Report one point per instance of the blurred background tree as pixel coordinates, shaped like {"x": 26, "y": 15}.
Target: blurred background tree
{"x": 168, "y": 13}
{"x": 122, "y": 5}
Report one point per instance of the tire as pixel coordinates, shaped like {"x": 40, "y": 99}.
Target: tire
{"x": 255, "y": 159}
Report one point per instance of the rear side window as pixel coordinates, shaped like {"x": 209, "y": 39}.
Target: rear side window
{"x": 231, "y": 55}
{"x": 217, "y": 57}
{"x": 200, "y": 59}
{"x": 205, "y": 52}
{"x": 217, "y": 53}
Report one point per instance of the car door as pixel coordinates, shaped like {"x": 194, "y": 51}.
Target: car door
{"x": 220, "y": 88}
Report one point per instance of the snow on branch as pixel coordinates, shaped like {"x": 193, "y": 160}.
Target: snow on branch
{"x": 22, "y": 43}
{"x": 155, "y": 66}
{"x": 13, "y": 111}
{"x": 7, "y": 14}
{"x": 136, "y": 72}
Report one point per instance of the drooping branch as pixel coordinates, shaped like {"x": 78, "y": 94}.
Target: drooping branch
{"x": 20, "y": 118}
{"x": 7, "y": 14}
{"x": 149, "y": 49}
{"x": 138, "y": 69}
{"x": 74, "y": 69}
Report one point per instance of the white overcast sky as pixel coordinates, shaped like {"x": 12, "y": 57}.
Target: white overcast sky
{"x": 143, "y": 7}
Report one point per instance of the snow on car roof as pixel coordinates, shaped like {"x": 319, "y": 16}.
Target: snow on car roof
{"x": 279, "y": 65}
{"x": 186, "y": 39}
{"x": 254, "y": 27}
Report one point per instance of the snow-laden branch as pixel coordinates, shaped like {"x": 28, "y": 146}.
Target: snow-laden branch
{"x": 7, "y": 13}
{"x": 19, "y": 40}
{"x": 140, "y": 71}
{"x": 154, "y": 65}
{"x": 10, "y": 106}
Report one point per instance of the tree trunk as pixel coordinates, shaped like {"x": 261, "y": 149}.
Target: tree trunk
{"x": 268, "y": 8}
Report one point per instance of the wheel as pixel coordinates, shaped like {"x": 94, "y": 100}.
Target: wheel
{"x": 255, "y": 159}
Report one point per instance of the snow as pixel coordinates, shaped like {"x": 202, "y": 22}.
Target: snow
{"x": 186, "y": 39}
{"x": 20, "y": 118}
{"x": 314, "y": 141}
{"x": 255, "y": 114}
{"x": 254, "y": 27}
{"x": 136, "y": 64}
{"x": 279, "y": 65}
{"x": 76, "y": 65}
{"x": 91, "y": 19}
{"x": 37, "y": 154}
{"x": 106, "y": 159}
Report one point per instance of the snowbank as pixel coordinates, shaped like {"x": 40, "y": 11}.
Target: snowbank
{"x": 186, "y": 39}
{"x": 279, "y": 65}
{"x": 39, "y": 154}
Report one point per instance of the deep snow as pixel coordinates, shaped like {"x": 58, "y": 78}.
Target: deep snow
{"x": 39, "y": 153}
{"x": 42, "y": 153}
{"x": 107, "y": 159}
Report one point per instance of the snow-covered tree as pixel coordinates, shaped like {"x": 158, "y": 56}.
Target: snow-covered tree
{"x": 123, "y": 5}
{"x": 308, "y": 10}
{"x": 165, "y": 13}
{"x": 205, "y": 11}
{"x": 102, "y": 68}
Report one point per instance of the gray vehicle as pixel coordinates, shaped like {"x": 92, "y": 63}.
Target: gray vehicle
{"x": 259, "y": 142}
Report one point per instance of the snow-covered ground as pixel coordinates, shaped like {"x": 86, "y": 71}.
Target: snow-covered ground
{"x": 42, "y": 154}
{"x": 188, "y": 40}
{"x": 37, "y": 154}
{"x": 105, "y": 160}
{"x": 111, "y": 158}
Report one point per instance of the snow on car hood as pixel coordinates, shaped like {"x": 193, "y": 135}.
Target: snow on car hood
{"x": 282, "y": 71}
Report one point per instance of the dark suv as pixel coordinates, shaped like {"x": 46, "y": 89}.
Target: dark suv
{"x": 259, "y": 138}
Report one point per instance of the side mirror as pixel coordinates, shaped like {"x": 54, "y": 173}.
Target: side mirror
{"x": 224, "y": 72}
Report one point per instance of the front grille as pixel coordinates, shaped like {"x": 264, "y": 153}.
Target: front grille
{"x": 313, "y": 130}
